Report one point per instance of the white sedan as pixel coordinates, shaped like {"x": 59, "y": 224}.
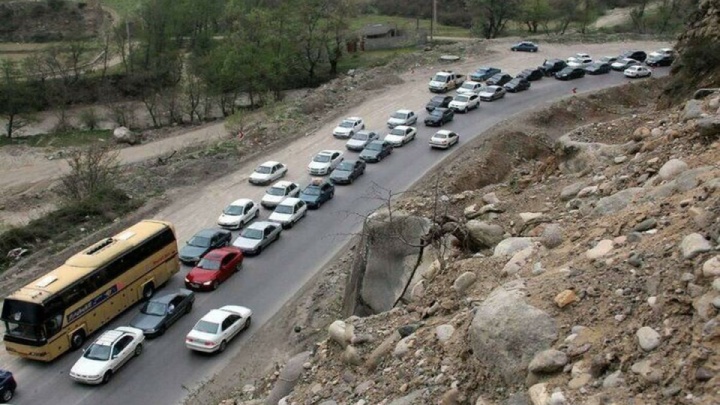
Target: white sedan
{"x": 443, "y": 139}
{"x": 214, "y": 330}
{"x": 348, "y": 127}
{"x": 238, "y": 213}
{"x": 402, "y": 117}
{"x": 465, "y": 102}
{"x": 289, "y": 212}
{"x": 267, "y": 172}
{"x": 107, "y": 354}
{"x": 469, "y": 87}
{"x": 278, "y": 192}
{"x": 637, "y": 71}
{"x": 400, "y": 135}
{"x": 579, "y": 62}
{"x": 325, "y": 162}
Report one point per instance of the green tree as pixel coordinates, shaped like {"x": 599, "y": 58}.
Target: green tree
{"x": 491, "y": 16}
{"x": 17, "y": 96}
{"x": 536, "y": 13}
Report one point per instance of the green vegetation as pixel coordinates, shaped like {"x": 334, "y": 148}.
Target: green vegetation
{"x": 369, "y": 59}
{"x": 60, "y": 140}
{"x": 124, "y": 8}
{"x": 409, "y": 25}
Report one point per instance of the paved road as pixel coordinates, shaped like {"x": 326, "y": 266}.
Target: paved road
{"x": 165, "y": 369}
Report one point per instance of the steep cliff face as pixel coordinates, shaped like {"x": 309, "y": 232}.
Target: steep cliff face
{"x": 699, "y": 49}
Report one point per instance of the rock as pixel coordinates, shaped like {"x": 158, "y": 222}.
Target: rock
{"x": 635, "y": 259}
{"x": 351, "y": 356}
{"x": 529, "y": 218}
{"x": 287, "y": 378}
{"x": 709, "y": 127}
{"x": 613, "y": 380}
{"x": 645, "y": 225}
{"x": 587, "y": 191}
{"x": 330, "y": 402}
{"x": 642, "y": 367}
{"x": 603, "y": 247}
{"x": 557, "y": 398}
{"x": 336, "y": 330}
{"x": 411, "y": 399}
{"x": 418, "y": 291}
{"x": 617, "y": 201}
{"x": 539, "y": 395}
{"x": 464, "y": 281}
{"x": 703, "y": 374}
{"x": 672, "y": 168}
{"x": 510, "y": 246}
{"x": 124, "y": 135}
{"x": 516, "y": 263}
{"x": 403, "y": 346}
{"x": 565, "y": 298}
{"x": 640, "y": 133}
{"x": 648, "y": 338}
{"x": 548, "y": 361}
{"x": 569, "y": 192}
{"x": 711, "y": 267}
{"x": 450, "y": 397}
{"x": 506, "y": 332}
{"x": 552, "y": 236}
{"x": 580, "y": 381}
{"x": 692, "y": 110}
{"x": 472, "y": 211}
{"x": 444, "y": 332}
{"x": 485, "y": 234}
{"x": 620, "y": 159}
{"x": 490, "y": 198}
{"x": 599, "y": 365}
{"x": 377, "y": 355}
{"x": 694, "y": 244}
{"x": 363, "y": 387}
{"x": 704, "y": 306}
{"x": 407, "y": 330}
{"x": 716, "y": 284}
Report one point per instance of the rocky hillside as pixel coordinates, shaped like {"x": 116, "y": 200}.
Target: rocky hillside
{"x": 591, "y": 277}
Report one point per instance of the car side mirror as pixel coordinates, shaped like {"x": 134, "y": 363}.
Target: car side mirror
{"x": 114, "y": 356}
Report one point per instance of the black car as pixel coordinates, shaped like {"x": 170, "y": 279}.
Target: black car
{"x": 439, "y": 117}
{"x": 158, "y": 314}
{"x": 483, "y": 73}
{"x": 499, "y": 79}
{"x": 552, "y": 66}
{"x": 598, "y": 68}
{"x": 524, "y": 46}
{"x": 203, "y": 242}
{"x": 318, "y": 192}
{"x": 378, "y": 150}
{"x": 348, "y": 171}
{"x": 622, "y": 64}
{"x": 570, "y": 73}
{"x": 7, "y": 386}
{"x": 659, "y": 60}
{"x": 438, "y": 102}
{"x": 531, "y": 74}
{"x": 639, "y": 56}
{"x": 517, "y": 84}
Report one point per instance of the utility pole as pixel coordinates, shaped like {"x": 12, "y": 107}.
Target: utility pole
{"x": 433, "y": 20}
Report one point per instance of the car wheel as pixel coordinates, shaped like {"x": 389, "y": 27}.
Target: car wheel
{"x": 248, "y": 322}
{"x": 238, "y": 267}
{"x": 77, "y": 340}
{"x": 148, "y": 291}
{"x": 7, "y": 395}
{"x": 214, "y": 285}
{"x": 223, "y": 346}
{"x": 465, "y": 110}
{"x": 352, "y": 179}
{"x": 259, "y": 250}
{"x": 107, "y": 376}
{"x": 189, "y": 309}
{"x": 139, "y": 348}
{"x": 161, "y": 332}
{"x": 257, "y": 213}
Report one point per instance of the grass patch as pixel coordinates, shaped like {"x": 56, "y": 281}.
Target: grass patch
{"x": 123, "y": 7}
{"x": 370, "y": 59}
{"x": 409, "y": 25}
{"x": 61, "y": 140}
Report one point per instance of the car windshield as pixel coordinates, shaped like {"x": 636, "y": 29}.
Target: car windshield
{"x": 437, "y": 99}
{"x": 361, "y": 136}
{"x": 397, "y": 131}
{"x": 311, "y": 191}
{"x": 440, "y": 78}
{"x": 376, "y": 146}
{"x": 348, "y": 166}
{"x": 284, "y": 209}
{"x": 441, "y": 136}
{"x": 462, "y": 99}
{"x": 154, "y": 308}
{"x": 482, "y": 71}
{"x": 347, "y": 124}
{"x": 97, "y": 352}
{"x": 208, "y": 264}
{"x": 436, "y": 113}
{"x": 263, "y": 170}
{"x": 399, "y": 115}
{"x": 199, "y": 241}
{"x": 205, "y": 326}
{"x": 276, "y": 191}
{"x": 322, "y": 158}
{"x": 233, "y": 210}
{"x": 468, "y": 86}
{"x": 250, "y": 233}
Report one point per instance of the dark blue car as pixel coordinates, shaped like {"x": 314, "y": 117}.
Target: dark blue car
{"x": 7, "y": 386}
{"x": 483, "y": 73}
{"x": 317, "y": 193}
{"x": 524, "y": 46}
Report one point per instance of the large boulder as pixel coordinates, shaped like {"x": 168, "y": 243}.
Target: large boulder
{"x": 578, "y": 157}
{"x": 506, "y": 332}
{"x": 510, "y": 246}
{"x": 124, "y": 135}
{"x": 616, "y": 202}
{"x": 288, "y": 378}
{"x": 484, "y": 234}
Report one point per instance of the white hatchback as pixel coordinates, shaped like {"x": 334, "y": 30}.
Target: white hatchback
{"x": 402, "y": 117}
{"x": 637, "y": 71}
{"x": 238, "y": 213}
{"x": 325, "y": 162}
{"x": 289, "y": 212}
{"x": 278, "y": 192}
{"x": 214, "y": 330}
{"x": 400, "y": 135}
{"x": 107, "y": 354}
{"x": 348, "y": 127}
{"x": 267, "y": 172}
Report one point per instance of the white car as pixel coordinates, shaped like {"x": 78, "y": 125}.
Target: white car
{"x": 581, "y": 55}
{"x": 267, "y": 172}
{"x": 402, "y": 117}
{"x": 663, "y": 52}
{"x": 579, "y": 62}
{"x": 465, "y": 102}
{"x": 107, "y": 354}
{"x": 444, "y": 139}
{"x": 238, "y": 213}
{"x": 470, "y": 87}
{"x": 214, "y": 330}
{"x": 637, "y": 71}
{"x": 289, "y": 212}
{"x": 400, "y": 135}
{"x": 279, "y": 192}
{"x": 348, "y": 127}
{"x": 325, "y": 162}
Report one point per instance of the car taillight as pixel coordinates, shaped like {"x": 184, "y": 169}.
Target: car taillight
{"x": 189, "y": 340}
{"x": 208, "y": 343}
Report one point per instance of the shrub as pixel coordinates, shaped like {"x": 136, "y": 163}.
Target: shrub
{"x": 90, "y": 118}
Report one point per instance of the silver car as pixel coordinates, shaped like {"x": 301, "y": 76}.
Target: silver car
{"x": 360, "y": 140}
{"x": 259, "y": 235}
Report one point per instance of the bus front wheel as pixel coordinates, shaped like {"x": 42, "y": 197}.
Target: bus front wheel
{"x": 77, "y": 340}
{"x": 148, "y": 291}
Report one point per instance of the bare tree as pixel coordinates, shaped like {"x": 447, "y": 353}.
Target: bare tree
{"x": 92, "y": 171}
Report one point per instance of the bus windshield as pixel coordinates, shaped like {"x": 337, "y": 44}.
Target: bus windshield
{"x": 22, "y": 319}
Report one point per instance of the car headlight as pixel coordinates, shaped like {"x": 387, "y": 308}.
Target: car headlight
{"x": 187, "y": 280}
{"x": 207, "y": 282}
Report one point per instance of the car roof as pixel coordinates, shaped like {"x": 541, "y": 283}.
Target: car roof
{"x": 439, "y": 98}
{"x": 381, "y": 142}
{"x": 493, "y": 87}
{"x": 208, "y": 232}
{"x": 282, "y": 183}
{"x": 443, "y": 131}
{"x": 215, "y": 316}
{"x": 165, "y": 298}
{"x": 402, "y": 127}
{"x": 270, "y": 163}
{"x": 404, "y": 111}
{"x": 290, "y": 201}
{"x": 109, "y": 337}
{"x": 328, "y": 152}
{"x": 352, "y": 119}
{"x": 486, "y": 68}
{"x": 471, "y": 82}
{"x": 241, "y": 201}
{"x": 218, "y": 254}
{"x": 261, "y": 225}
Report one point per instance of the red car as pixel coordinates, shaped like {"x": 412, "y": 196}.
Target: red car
{"x": 214, "y": 268}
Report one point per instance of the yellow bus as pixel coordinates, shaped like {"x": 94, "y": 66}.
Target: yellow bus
{"x": 56, "y": 312}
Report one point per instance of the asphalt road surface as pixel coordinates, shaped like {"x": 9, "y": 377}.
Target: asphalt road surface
{"x": 166, "y": 369}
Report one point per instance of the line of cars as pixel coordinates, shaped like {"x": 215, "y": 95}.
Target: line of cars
{"x": 629, "y": 62}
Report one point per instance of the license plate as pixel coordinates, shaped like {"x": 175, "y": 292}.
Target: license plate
{"x": 195, "y": 285}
